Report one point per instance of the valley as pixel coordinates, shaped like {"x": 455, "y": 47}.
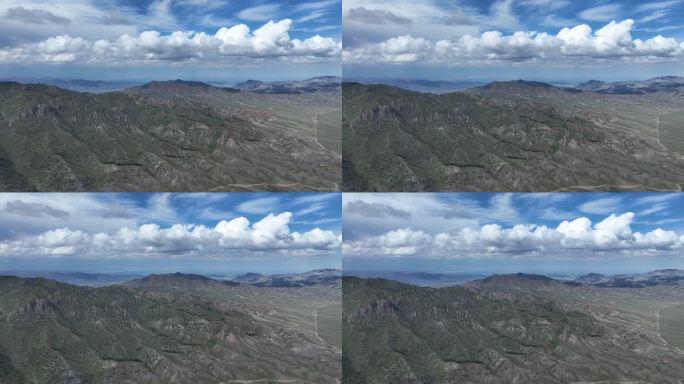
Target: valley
{"x": 516, "y": 328}
{"x": 172, "y": 328}
{"x": 171, "y": 136}
{"x": 515, "y": 136}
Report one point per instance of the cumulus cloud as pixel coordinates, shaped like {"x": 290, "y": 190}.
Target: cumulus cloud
{"x": 272, "y": 40}
{"x": 614, "y": 40}
{"x": 271, "y": 233}
{"x": 578, "y": 237}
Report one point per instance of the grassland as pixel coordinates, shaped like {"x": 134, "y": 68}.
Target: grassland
{"x": 672, "y": 131}
{"x": 672, "y": 325}
{"x": 330, "y": 324}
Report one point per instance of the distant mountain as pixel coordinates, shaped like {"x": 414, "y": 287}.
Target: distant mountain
{"x": 518, "y": 87}
{"x": 426, "y": 86}
{"x": 194, "y": 281}
{"x": 592, "y": 278}
{"x": 505, "y": 136}
{"x": 397, "y": 333}
{"x": 657, "y": 84}
{"x": 659, "y": 277}
{"x": 320, "y": 276}
{"x": 178, "y": 281}
{"x": 75, "y": 278}
{"x": 315, "y": 84}
{"x": 418, "y": 278}
{"x": 94, "y": 86}
{"x": 169, "y": 136}
{"x": 637, "y": 280}
{"x": 517, "y": 280}
{"x": 182, "y": 87}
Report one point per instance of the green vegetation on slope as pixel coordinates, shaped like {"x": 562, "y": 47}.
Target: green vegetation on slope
{"x": 397, "y": 333}
{"x": 173, "y": 136}
{"x": 398, "y": 140}
{"x": 53, "y": 332}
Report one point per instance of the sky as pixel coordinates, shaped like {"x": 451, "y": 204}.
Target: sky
{"x": 486, "y": 233}
{"x": 484, "y": 40}
{"x": 210, "y": 233}
{"x": 218, "y": 40}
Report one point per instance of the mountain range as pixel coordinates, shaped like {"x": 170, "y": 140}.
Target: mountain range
{"x": 518, "y": 328}
{"x": 172, "y": 136}
{"x": 172, "y": 328}
{"x": 656, "y": 84}
{"x": 418, "y": 85}
{"x": 316, "y": 84}
{"x": 512, "y": 136}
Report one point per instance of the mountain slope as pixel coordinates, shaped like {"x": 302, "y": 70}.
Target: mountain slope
{"x": 160, "y": 136}
{"x": 401, "y": 333}
{"x": 52, "y": 332}
{"x": 504, "y": 136}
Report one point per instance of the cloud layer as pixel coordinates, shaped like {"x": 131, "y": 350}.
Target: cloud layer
{"x": 227, "y": 238}
{"x": 614, "y": 40}
{"x": 578, "y": 237}
{"x": 271, "y": 40}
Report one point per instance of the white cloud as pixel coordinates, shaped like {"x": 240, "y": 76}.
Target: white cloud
{"x": 545, "y": 4}
{"x": 314, "y": 5}
{"x": 271, "y": 233}
{"x": 658, "y": 5}
{"x": 580, "y": 43}
{"x": 272, "y": 40}
{"x": 601, "y": 206}
{"x": 502, "y": 14}
{"x": 373, "y": 21}
{"x": 605, "y": 12}
{"x": 260, "y": 205}
{"x": 259, "y": 13}
{"x": 579, "y": 238}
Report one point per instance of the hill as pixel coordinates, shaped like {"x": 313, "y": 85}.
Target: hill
{"x": 509, "y": 136}
{"x": 53, "y": 332}
{"x": 170, "y": 136}
{"x": 561, "y": 334}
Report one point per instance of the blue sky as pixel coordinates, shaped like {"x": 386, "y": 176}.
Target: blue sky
{"x": 497, "y": 233}
{"x": 189, "y": 232}
{"x": 510, "y": 39}
{"x": 162, "y": 39}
